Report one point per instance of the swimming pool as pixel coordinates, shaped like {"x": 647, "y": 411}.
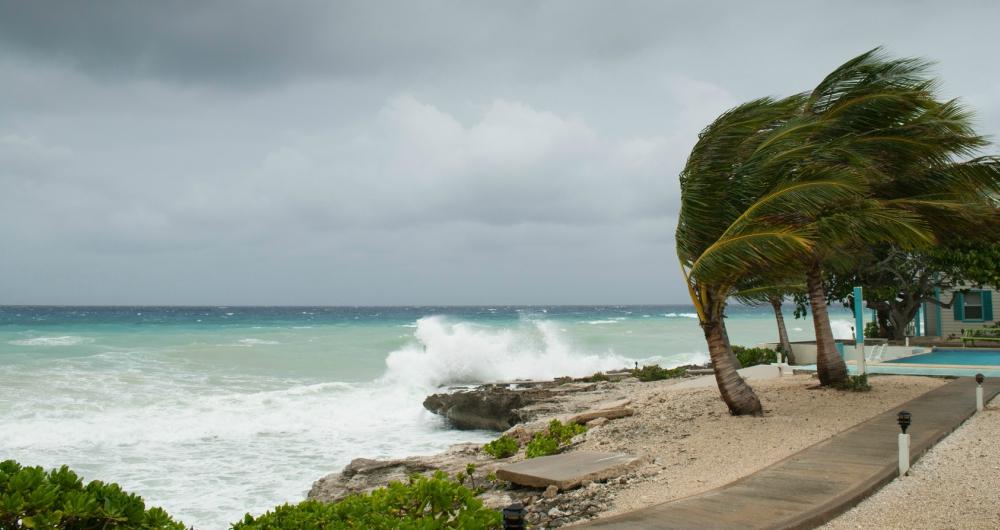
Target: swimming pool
{"x": 964, "y": 357}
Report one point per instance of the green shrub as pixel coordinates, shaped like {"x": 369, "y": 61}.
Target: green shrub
{"x": 502, "y": 447}
{"x": 656, "y": 372}
{"x": 856, "y": 383}
{"x": 597, "y": 377}
{"x": 32, "y": 498}
{"x": 872, "y": 330}
{"x": 422, "y": 503}
{"x": 755, "y": 356}
{"x": 555, "y": 436}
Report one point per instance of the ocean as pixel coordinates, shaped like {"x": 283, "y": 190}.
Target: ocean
{"x": 213, "y": 412}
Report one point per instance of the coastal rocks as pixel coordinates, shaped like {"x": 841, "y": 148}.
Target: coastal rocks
{"x": 364, "y": 474}
{"x": 491, "y": 407}
{"x": 608, "y": 411}
{"x": 499, "y": 407}
{"x": 570, "y": 507}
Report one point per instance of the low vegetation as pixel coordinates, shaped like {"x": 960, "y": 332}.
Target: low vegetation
{"x": 755, "y": 356}
{"x": 855, "y": 383}
{"x": 30, "y": 497}
{"x": 502, "y": 447}
{"x": 655, "y": 372}
{"x": 551, "y": 441}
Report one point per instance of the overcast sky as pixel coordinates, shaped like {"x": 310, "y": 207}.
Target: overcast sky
{"x": 252, "y": 152}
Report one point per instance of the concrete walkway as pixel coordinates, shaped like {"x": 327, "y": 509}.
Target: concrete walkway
{"x": 822, "y": 481}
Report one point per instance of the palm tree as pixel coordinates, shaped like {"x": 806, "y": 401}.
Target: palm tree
{"x": 790, "y": 186}
{"x": 784, "y": 345}
{"x": 883, "y": 121}
{"x": 733, "y": 222}
{"x": 758, "y": 291}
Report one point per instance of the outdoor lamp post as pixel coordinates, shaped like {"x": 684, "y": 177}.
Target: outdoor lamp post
{"x": 513, "y": 517}
{"x": 979, "y": 392}
{"x": 904, "y": 442}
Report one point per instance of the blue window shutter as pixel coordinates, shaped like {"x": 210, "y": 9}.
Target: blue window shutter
{"x": 959, "y": 307}
{"x": 987, "y": 305}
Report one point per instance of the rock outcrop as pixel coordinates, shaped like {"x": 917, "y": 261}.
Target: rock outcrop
{"x": 499, "y": 407}
{"x": 363, "y": 474}
{"x": 490, "y": 407}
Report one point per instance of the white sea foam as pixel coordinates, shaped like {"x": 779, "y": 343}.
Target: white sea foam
{"x": 66, "y": 340}
{"x": 461, "y": 352}
{"x": 599, "y": 322}
{"x": 257, "y": 342}
{"x": 681, "y": 315}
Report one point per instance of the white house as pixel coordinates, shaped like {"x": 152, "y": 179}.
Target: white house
{"x": 970, "y": 310}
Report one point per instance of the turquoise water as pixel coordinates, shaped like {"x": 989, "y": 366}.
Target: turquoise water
{"x": 957, "y": 357}
{"x": 213, "y": 412}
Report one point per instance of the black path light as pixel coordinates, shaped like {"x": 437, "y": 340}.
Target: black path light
{"x": 979, "y": 392}
{"x": 513, "y": 517}
{"x": 903, "y": 419}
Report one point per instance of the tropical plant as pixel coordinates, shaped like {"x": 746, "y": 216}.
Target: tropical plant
{"x": 655, "y": 372}
{"x": 30, "y": 497}
{"x": 755, "y": 356}
{"x": 796, "y": 185}
{"x": 502, "y": 447}
{"x": 421, "y": 503}
{"x": 552, "y": 439}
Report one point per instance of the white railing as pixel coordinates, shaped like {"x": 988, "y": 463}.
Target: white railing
{"x": 877, "y": 349}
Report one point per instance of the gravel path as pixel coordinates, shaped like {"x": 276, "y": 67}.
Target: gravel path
{"x": 955, "y": 485}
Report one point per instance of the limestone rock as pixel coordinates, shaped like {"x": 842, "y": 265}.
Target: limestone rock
{"x": 365, "y": 474}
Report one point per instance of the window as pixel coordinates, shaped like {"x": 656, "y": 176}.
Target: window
{"x": 974, "y": 305}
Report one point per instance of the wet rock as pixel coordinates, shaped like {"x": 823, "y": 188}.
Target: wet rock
{"x": 493, "y": 407}
{"x": 365, "y": 474}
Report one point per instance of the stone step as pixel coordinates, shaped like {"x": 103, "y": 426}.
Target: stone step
{"x": 568, "y": 470}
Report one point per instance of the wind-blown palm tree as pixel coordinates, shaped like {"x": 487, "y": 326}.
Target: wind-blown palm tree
{"x": 733, "y": 223}
{"x": 880, "y": 118}
{"x": 787, "y": 185}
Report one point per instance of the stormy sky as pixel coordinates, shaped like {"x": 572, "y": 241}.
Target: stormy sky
{"x": 384, "y": 153}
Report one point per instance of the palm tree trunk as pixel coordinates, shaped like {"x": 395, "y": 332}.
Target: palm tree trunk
{"x": 829, "y": 364}
{"x": 784, "y": 345}
{"x": 737, "y": 394}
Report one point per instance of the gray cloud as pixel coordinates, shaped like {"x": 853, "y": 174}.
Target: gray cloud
{"x": 381, "y": 153}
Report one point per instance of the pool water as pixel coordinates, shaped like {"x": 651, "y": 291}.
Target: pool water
{"x": 968, "y": 357}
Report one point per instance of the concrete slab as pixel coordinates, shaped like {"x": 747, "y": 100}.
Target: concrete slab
{"x": 568, "y": 470}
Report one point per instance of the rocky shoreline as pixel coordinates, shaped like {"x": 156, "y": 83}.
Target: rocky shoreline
{"x": 683, "y": 437}
{"x": 519, "y": 410}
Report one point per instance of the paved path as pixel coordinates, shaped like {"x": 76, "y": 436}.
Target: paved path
{"x": 822, "y": 481}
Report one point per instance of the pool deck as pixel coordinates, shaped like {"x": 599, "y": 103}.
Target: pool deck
{"x": 936, "y": 370}
{"x": 822, "y": 481}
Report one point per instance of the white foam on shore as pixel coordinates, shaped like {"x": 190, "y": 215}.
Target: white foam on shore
{"x": 257, "y": 342}
{"x": 460, "y": 353}
{"x": 681, "y": 315}
{"x": 66, "y": 340}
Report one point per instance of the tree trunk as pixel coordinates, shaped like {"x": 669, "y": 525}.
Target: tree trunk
{"x": 737, "y": 394}
{"x": 902, "y": 312}
{"x": 784, "y": 345}
{"x": 829, "y": 364}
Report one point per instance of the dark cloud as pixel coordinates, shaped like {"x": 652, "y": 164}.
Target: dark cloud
{"x": 404, "y": 152}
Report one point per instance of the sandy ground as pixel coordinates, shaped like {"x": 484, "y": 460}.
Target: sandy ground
{"x": 695, "y": 445}
{"x": 955, "y": 485}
